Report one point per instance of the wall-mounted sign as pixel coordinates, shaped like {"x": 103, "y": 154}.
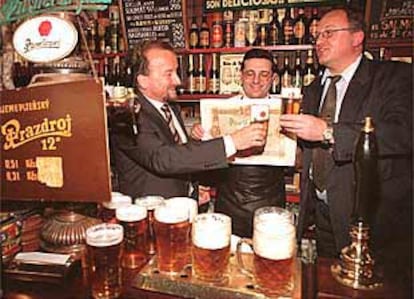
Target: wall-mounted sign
{"x": 45, "y": 39}
{"x": 13, "y": 10}
{"x": 221, "y": 5}
{"x": 154, "y": 20}
{"x": 54, "y": 143}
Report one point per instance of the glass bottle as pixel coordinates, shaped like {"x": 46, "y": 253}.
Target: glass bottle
{"x": 287, "y": 27}
{"x": 297, "y": 72}
{"x": 214, "y": 77}
{"x": 275, "y": 30}
{"x": 299, "y": 27}
{"x": 311, "y": 27}
{"x": 201, "y": 75}
{"x": 204, "y": 40}
{"x": 193, "y": 40}
{"x": 276, "y": 81}
{"x": 310, "y": 71}
{"x": 190, "y": 75}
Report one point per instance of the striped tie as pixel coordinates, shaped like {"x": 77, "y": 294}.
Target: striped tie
{"x": 168, "y": 117}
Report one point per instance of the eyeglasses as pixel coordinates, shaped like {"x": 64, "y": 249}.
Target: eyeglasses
{"x": 263, "y": 75}
{"x": 328, "y": 33}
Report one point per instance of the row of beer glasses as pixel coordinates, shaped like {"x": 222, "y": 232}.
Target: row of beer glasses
{"x": 182, "y": 238}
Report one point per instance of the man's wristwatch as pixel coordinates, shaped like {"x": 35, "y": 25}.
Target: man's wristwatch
{"x": 328, "y": 135}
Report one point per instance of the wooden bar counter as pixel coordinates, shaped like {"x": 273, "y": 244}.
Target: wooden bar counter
{"x": 317, "y": 282}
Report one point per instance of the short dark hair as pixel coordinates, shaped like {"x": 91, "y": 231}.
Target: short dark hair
{"x": 259, "y": 53}
{"x": 144, "y": 48}
{"x": 354, "y": 15}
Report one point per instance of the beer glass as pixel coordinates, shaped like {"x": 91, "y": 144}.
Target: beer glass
{"x": 133, "y": 219}
{"x": 274, "y": 250}
{"x": 107, "y": 213}
{"x": 291, "y": 105}
{"x": 150, "y": 202}
{"x": 211, "y": 234}
{"x": 172, "y": 228}
{"x": 104, "y": 251}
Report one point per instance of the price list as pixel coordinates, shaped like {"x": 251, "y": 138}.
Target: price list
{"x": 154, "y": 20}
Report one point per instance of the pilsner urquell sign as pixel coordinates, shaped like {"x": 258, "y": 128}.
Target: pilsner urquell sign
{"x": 54, "y": 144}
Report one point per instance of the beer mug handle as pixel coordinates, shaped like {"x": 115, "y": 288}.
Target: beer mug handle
{"x": 243, "y": 269}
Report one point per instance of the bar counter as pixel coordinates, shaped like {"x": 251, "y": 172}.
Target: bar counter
{"x": 317, "y": 282}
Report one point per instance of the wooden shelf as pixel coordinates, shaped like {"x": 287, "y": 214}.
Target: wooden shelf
{"x": 245, "y": 49}
{"x": 196, "y": 97}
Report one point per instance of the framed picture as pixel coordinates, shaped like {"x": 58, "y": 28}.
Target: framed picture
{"x": 230, "y": 73}
{"x": 222, "y": 117}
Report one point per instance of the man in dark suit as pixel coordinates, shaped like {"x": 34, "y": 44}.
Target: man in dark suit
{"x": 381, "y": 90}
{"x": 154, "y": 155}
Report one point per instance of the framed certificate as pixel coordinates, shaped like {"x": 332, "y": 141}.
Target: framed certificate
{"x": 221, "y": 117}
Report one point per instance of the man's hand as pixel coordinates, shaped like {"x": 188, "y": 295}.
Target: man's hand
{"x": 197, "y": 131}
{"x": 250, "y": 136}
{"x": 305, "y": 126}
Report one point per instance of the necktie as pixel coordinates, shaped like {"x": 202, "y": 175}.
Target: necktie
{"x": 321, "y": 157}
{"x": 168, "y": 117}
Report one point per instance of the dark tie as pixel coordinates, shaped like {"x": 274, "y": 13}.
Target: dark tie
{"x": 168, "y": 117}
{"x": 321, "y": 157}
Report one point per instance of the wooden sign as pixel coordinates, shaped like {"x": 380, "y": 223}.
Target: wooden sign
{"x": 54, "y": 143}
{"x": 154, "y": 20}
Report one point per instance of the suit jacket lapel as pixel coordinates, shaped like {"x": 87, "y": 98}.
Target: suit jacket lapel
{"x": 356, "y": 94}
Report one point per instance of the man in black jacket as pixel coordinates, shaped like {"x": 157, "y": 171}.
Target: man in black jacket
{"x": 153, "y": 153}
{"x": 242, "y": 189}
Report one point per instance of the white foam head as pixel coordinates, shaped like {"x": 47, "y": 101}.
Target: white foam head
{"x": 150, "y": 202}
{"x": 104, "y": 234}
{"x": 211, "y": 231}
{"x": 185, "y": 203}
{"x": 131, "y": 213}
{"x": 170, "y": 214}
{"x": 117, "y": 200}
{"x": 275, "y": 240}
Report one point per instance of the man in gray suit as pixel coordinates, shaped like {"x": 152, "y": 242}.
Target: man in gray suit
{"x": 153, "y": 154}
{"x": 382, "y": 90}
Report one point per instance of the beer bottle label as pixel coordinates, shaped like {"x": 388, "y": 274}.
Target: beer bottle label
{"x": 299, "y": 30}
{"x": 217, "y": 36}
{"x": 213, "y": 85}
{"x": 308, "y": 78}
{"x": 288, "y": 32}
{"x": 286, "y": 80}
{"x": 274, "y": 35}
{"x": 313, "y": 28}
{"x": 193, "y": 39}
{"x": 204, "y": 38}
{"x": 202, "y": 84}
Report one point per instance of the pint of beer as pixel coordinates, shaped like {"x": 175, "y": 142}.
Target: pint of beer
{"x": 133, "y": 219}
{"x": 274, "y": 247}
{"x": 188, "y": 203}
{"x": 150, "y": 203}
{"x": 172, "y": 228}
{"x": 211, "y": 234}
{"x": 104, "y": 251}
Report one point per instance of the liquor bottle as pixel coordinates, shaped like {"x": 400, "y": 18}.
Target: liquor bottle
{"x": 193, "y": 40}
{"x": 262, "y": 32}
{"x": 286, "y": 73}
{"x": 311, "y": 27}
{"x": 217, "y": 32}
{"x": 299, "y": 27}
{"x": 287, "y": 27}
{"x": 310, "y": 71}
{"x": 275, "y": 31}
{"x": 214, "y": 77}
{"x": 190, "y": 75}
{"x": 204, "y": 37}
{"x": 366, "y": 174}
{"x": 276, "y": 81}
{"x": 202, "y": 80}
{"x": 297, "y": 72}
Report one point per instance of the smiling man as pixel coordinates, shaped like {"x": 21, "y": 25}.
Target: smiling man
{"x": 334, "y": 105}
{"x": 241, "y": 189}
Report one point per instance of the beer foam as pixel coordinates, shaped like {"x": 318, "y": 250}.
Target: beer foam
{"x": 171, "y": 214}
{"x": 105, "y": 234}
{"x": 211, "y": 231}
{"x": 117, "y": 200}
{"x": 131, "y": 213}
{"x": 150, "y": 202}
{"x": 185, "y": 203}
{"x": 274, "y": 242}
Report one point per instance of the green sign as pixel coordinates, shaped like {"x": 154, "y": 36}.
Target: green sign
{"x": 13, "y": 10}
{"x": 221, "y": 5}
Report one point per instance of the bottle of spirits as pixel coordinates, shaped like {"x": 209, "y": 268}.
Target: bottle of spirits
{"x": 286, "y": 73}
{"x": 275, "y": 31}
{"x": 287, "y": 27}
{"x": 214, "y": 77}
{"x": 310, "y": 71}
{"x": 311, "y": 26}
{"x": 297, "y": 72}
{"x": 204, "y": 40}
{"x": 228, "y": 29}
{"x": 299, "y": 27}
{"x": 202, "y": 80}
{"x": 366, "y": 174}
{"x": 193, "y": 40}
{"x": 276, "y": 81}
{"x": 191, "y": 88}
